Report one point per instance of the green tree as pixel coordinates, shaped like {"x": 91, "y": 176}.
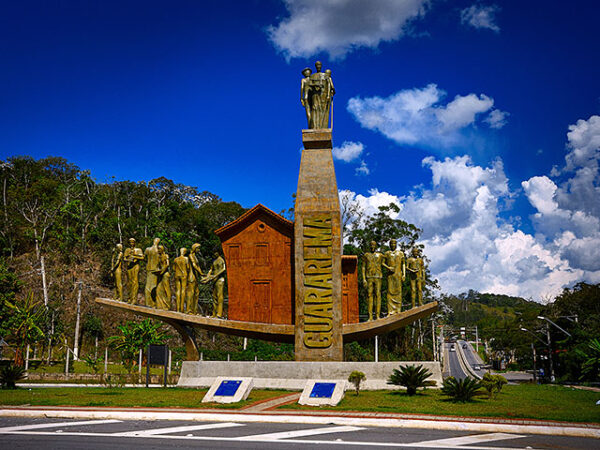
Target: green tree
{"x": 136, "y": 336}
{"x": 356, "y": 377}
{"x": 25, "y": 324}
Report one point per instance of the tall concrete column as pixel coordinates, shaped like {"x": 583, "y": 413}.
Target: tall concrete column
{"x": 318, "y": 253}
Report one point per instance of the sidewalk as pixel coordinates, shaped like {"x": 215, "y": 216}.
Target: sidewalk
{"x": 266, "y": 412}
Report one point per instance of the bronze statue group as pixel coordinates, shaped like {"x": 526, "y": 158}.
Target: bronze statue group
{"x": 187, "y": 274}
{"x": 398, "y": 269}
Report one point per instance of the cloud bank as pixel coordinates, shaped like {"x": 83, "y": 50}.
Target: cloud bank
{"x": 419, "y": 116}
{"x": 338, "y": 27}
{"x": 472, "y": 247}
{"x": 480, "y": 16}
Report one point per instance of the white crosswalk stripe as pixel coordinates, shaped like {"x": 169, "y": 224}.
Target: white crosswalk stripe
{"x": 182, "y": 429}
{"x": 39, "y": 426}
{"x": 299, "y": 433}
{"x": 469, "y": 440}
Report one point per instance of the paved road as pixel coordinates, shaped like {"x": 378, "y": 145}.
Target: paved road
{"x": 115, "y": 434}
{"x": 452, "y": 363}
{"x": 473, "y": 358}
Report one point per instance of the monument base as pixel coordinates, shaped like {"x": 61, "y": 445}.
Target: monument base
{"x": 293, "y": 375}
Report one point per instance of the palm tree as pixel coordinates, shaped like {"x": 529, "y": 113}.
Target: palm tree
{"x": 25, "y": 324}
{"x": 412, "y": 377}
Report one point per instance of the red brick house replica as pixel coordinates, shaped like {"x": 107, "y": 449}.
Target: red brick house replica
{"x": 260, "y": 269}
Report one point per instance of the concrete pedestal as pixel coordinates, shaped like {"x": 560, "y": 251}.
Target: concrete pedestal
{"x": 294, "y": 374}
{"x": 318, "y": 253}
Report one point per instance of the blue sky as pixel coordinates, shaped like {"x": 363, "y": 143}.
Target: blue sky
{"x": 480, "y": 119}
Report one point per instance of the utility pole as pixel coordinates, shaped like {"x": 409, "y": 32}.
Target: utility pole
{"x": 433, "y": 340}
{"x": 476, "y": 340}
{"x": 76, "y": 344}
{"x": 534, "y": 364}
{"x": 552, "y": 378}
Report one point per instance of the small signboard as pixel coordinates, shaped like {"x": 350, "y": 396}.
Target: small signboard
{"x": 229, "y": 390}
{"x": 158, "y": 354}
{"x": 323, "y": 392}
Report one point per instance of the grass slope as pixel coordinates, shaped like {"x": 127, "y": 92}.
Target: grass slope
{"x": 525, "y": 401}
{"x": 123, "y": 397}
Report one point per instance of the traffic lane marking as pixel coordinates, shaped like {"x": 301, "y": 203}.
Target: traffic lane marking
{"x": 300, "y": 433}
{"x": 278, "y": 441}
{"x": 57, "y": 425}
{"x": 473, "y": 439}
{"x": 180, "y": 429}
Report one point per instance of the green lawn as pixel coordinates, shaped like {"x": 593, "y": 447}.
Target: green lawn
{"x": 519, "y": 401}
{"x": 124, "y": 397}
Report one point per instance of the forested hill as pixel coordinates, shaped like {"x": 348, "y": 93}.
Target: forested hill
{"x": 59, "y": 227}
{"x": 488, "y": 311}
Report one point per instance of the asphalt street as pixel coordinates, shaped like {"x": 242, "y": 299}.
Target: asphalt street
{"x": 453, "y": 366}
{"x": 473, "y": 358}
{"x": 27, "y": 433}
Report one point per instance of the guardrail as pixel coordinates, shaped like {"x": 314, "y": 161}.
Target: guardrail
{"x": 464, "y": 364}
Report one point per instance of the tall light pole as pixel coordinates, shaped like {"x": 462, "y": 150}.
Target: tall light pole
{"x": 547, "y": 344}
{"x": 548, "y": 322}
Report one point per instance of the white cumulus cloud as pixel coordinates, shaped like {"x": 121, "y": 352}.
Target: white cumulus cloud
{"x": 349, "y": 151}
{"x": 472, "y": 247}
{"x": 363, "y": 169}
{"x": 418, "y": 116}
{"x": 480, "y": 16}
{"x": 339, "y": 26}
{"x": 497, "y": 119}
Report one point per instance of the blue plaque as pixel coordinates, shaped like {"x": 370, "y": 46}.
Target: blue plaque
{"x": 228, "y": 388}
{"x": 322, "y": 390}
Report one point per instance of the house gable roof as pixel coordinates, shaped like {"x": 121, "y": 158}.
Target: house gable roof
{"x": 248, "y": 217}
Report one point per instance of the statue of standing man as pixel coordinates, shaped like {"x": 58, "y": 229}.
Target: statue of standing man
{"x": 371, "y": 275}
{"x": 132, "y": 258}
{"x": 216, "y": 274}
{"x": 316, "y": 95}
{"x": 163, "y": 286}
{"x": 395, "y": 263}
{"x": 152, "y": 263}
{"x": 182, "y": 273}
{"x": 192, "y": 290}
{"x": 416, "y": 275}
{"x": 117, "y": 270}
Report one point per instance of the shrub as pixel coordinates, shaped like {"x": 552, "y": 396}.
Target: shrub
{"x": 355, "y": 378}
{"x": 461, "y": 390}
{"x": 9, "y": 375}
{"x": 412, "y": 377}
{"x": 493, "y": 384}
{"x": 92, "y": 362}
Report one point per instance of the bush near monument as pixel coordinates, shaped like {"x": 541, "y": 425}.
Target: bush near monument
{"x": 464, "y": 390}
{"x": 412, "y": 377}
{"x": 356, "y": 377}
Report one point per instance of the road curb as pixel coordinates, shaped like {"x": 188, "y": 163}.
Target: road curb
{"x": 585, "y": 430}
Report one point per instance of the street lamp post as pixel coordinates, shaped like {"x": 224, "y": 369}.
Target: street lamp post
{"x": 547, "y": 344}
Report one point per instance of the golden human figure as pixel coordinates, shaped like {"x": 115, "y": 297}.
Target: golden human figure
{"x": 194, "y": 274}
{"x": 394, "y": 261}
{"x": 304, "y": 92}
{"x": 152, "y": 261}
{"x": 163, "y": 288}
{"x": 132, "y": 258}
{"x": 317, "y": 92}
{"x": 182, "y": 273}
{"x": 371, "y": 276}
{"x": 416, "y": 275}
{"x": 216, "y": 274}
{"x": 116, "y": 269}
